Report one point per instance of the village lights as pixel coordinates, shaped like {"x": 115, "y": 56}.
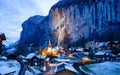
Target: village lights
{"x": 86, "y": 60}
{"x": 35, "y": 63}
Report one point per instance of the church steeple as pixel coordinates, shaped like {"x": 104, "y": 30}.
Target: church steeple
{"x": 49, "y": 44}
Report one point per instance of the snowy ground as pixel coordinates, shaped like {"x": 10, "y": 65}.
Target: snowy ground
{"x": 32, "y": 71}
{"x": 106, "y": 68}
{"x": 7, "y": 66}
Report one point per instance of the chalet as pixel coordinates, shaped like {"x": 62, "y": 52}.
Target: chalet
{"x": 65, "y": 69}
{"x": 35, "y": 60}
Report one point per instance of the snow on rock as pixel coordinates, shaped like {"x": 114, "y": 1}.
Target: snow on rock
{"x": 106, "y": 68}
{"x": 7, "y": 66}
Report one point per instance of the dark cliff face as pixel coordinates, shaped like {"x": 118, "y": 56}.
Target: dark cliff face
{"x": 34, "y": 32}
{"x": 72, "y": 22}
{"x": 86, "y": 20}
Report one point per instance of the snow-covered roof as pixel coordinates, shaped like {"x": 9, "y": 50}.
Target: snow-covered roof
{"x": 3, "y": 57}
{"x": 5, "y": 70}
{"x": 79, "y": 49}
{"x": 118, "y": 54}
{"x": 99, "y": 53}
{"x": 86, "y": 53}
{"x": 63, "y": 65}
{"x": 102, "y": 44}
{"x": 21, "y": 56}
{"x": 62, "y": 60}
{"x": 47, "y": 59}
{"x": 72, "y": 48}
{"x": 40, "y": 56}
{"x": 31, "y": 55}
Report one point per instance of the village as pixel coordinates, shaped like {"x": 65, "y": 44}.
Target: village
{"x": 58, "y": 60}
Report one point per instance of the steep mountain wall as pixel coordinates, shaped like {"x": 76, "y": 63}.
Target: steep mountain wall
{"x": 85, "y": 19}
{"x": 73, "y": 22}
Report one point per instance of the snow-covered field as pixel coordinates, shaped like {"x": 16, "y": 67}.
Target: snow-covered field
{"x": 32, "y": 71}
{"x": 8, "y": 66}
{"x": 106, "y": 68}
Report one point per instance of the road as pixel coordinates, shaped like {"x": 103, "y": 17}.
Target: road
{"x": 23, "y": 68}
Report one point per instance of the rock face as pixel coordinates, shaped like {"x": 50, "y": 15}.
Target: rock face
{"x": 73, "y": 22}
{"x": 34, "y": 32}
{"x": 85, "y": 19}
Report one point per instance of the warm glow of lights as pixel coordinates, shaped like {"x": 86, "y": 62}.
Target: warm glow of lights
{"x": 35, "y": 63}
{"x": 43, "y": 51}
{"x": 114, "y": 45}
{"x": 54, "y": 53}
{"x": 49, "y": 50}
{"x": 52, "y": 64}
{"x": 61, "y": 50}
{"x": 86, "y": 60}
{"x": 71, "y": 56}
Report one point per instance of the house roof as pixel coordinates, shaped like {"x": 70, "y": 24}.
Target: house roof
{"x": 99, "y": 53}
{"x": 21, "y": 56}
{"x": 65, "y": 60}
{"x": 3, "y": 57}
{"x": 31, "y": 55}
{"x": 63, "y": 65}
{"x": 79, "y": 49}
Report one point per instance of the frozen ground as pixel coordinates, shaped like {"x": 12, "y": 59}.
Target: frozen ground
{"x": 7, "y": 66}
{"x": 106, "y": 68}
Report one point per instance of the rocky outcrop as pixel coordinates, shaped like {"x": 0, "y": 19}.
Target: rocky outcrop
{"x": 73, "y": 22}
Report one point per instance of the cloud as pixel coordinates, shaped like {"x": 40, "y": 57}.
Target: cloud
{"x": 14, "y": 12}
